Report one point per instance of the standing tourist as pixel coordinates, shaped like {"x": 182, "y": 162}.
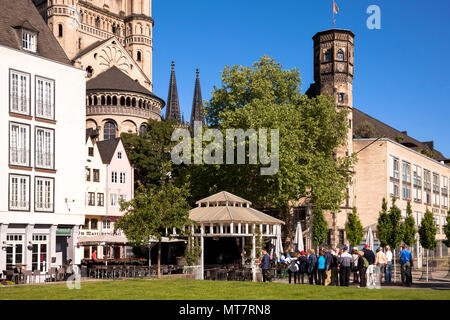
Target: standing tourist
{"x": 345, "y": 264}
{"x": 406, "y": 266}
{"x": 321, "y": 268}
{"x": 388, "y": 275}
{"x": 334, "y": 269}
{"x": 312, "y": 267}
{"x": 362, "y": 267}
{"x": 303, "y": 267}
{"x": 380, "y": 262}
{"x": 355, "y": 257}
{"x": 94, "y": 255}
{"x": 370, "y": 256}
{"x": 292, "y": 268}
{"x": 328, "y": 260}
{"x": 265, "y": 264}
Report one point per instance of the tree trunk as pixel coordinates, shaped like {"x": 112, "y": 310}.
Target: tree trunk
{"x": 159, "y": 260}
{"x": 427, "y": 264}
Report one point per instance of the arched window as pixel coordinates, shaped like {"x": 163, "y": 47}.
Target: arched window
{"x": 142, "y": 130}
{"x": 109, "y": 131}
{"x": 114, "y": 101}
{"x": 139, "y": 56}
{"x": 60, "y": 30}
{"x": 122, "y": 101}
{"x": 340, "y": 55}
{"x": 328, "y": 55}
{"x": 108, "y": 100}
{"x": 89, "y": 71}
{"x": 103, "y": 100}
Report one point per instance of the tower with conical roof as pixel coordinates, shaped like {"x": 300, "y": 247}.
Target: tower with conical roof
{"x": 197, "y": 103}
{"x": 173, "y": 105}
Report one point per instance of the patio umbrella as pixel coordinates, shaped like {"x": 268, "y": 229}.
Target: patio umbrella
{"x": 369, "y": 238}
{"x": 298, "y": 239}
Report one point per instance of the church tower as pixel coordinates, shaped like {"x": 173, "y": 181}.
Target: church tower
{"x": 197, "y": 104}
{"x": 173, "y": 104}
{"x": 333, "y": 75}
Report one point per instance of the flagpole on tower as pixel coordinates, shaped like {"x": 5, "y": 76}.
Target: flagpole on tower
{"x": 333, "y": 14}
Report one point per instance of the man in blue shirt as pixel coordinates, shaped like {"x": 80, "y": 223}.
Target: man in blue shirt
{"x": 406, "y": 266}
{"x": 265, "y": 265}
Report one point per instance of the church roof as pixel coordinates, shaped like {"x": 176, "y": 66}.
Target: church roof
{"x": 173, "y": 104}
{"x": 384, "y": 130}
{"x": 197, "y": 103}
{"x": 18, "y": 14}
{"x": 115, "y": 80}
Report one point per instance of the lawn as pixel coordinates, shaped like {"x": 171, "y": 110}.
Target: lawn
{"x": 182, "y": 289}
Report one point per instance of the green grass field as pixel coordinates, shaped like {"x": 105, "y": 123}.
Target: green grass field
{"x": 182, "y": 289}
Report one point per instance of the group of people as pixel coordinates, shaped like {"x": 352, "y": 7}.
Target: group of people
{"x": 334, "y": 267}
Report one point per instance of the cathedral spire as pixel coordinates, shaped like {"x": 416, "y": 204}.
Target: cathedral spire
{"x": 173, "y": 105}
{"x": 197, "y": 103}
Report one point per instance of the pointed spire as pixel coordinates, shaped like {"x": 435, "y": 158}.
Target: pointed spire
{"x": 197, "y": 103}
{"x": 173, "y": 105}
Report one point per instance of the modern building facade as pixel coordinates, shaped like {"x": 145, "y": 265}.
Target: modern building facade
{"x": 109, "y": 178}
{"x": 42, "y": 142}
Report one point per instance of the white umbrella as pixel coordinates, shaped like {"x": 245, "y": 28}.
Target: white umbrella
{"x": 277, "y": 243}
{"x": 298, "y": 240}
{"x": 369, "y": 238}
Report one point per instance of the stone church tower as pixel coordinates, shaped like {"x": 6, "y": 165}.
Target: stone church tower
{"x": 78, "y": 25}
{"x": 333, "y": 75}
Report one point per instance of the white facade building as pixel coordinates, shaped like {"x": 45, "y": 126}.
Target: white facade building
{"x": 42, "y": 118}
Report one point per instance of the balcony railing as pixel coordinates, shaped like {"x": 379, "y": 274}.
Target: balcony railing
{"x": 44, "y": 160}
{"x": 43, "y": 206}
{"x": 19, "y": 205}
{"x": 19, "y": 156}
{"x": 19, "y": 104}
{"x": 44, "y": 109}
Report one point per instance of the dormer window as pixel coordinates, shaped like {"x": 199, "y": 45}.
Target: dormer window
{"x": 340, "y": 55}
{"x": 29, "y": 41}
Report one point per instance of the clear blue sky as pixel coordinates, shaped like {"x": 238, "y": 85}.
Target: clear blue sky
{"x": 402, "y": 72}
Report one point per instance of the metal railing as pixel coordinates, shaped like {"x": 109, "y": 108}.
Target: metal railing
{"x": 19, "y": 156}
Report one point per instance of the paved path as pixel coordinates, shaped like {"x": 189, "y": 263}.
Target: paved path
{"x": 437, "y": 281}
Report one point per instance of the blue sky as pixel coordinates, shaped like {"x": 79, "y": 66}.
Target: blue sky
{"x": 402, "y": 72}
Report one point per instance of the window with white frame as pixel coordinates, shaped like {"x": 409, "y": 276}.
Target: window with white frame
{"x": 44, "y": 148}
{"x": 14, "y": 250}
{"x": 114, "y": 177}
{"x": 113, "y": 199}
{"x": 44, "y": 194}
{"x": 427, "y": 179}
{"x": 406, "y": 192}
{"x": 394, "y": 167}
{"x": 406, "y": 172}
{"x": 19, "y": 89}
{"x": 394, "y": 188}
{"x": 417, "y": 175}
{"x": 29, "y": 41}
{"x": 19, "y": 192}
{"x": 418, "y": 194}
{"x": 119, "y": 155}
{"x": 40, "y": 252}
{"x": 418, "y": 217}
{"x": 436, "y": 199}
{"x": 45, "y": 102}
{"x": 122, "y": 177}
{"x": 106, "y": 224}
{"x": 435, "y": 182}
{"x": 19, "y": 144}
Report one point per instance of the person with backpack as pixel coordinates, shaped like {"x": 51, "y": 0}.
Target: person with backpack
{"x": 302, "y": 267}
{"x": 321, "y": 268}
{"x": 328, "y": 259}
{"x": 292, "y": 268}
{"x": 355, "y": 256}
{"x": 370, "y": 256}
{"x": 363, "y": 264}
{"x": 334, "y": 269}
{"x": 312, "y": 267}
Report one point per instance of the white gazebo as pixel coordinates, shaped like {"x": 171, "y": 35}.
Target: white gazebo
{"x": 226, "y": 215}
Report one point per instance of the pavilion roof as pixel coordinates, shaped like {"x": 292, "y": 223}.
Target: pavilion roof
{"x": 225, "y": 211}
{"x": 223, "y": 196}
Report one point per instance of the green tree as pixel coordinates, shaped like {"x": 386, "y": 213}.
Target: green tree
{"x": 383, "y": 225}
{"x": 354, "y": 229}
{"x": 319, "y": 227}
{"x": 427, "y": 233}
{"x": 447, "y": 230}
{"x": 149, "y": 153}
{"x": 151, "y": 211}
{"x": 310, "y": 131}
{"x": 396, "y": 231}
{"x": 365, "y": 130}
{"x": 409, "y": 227}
